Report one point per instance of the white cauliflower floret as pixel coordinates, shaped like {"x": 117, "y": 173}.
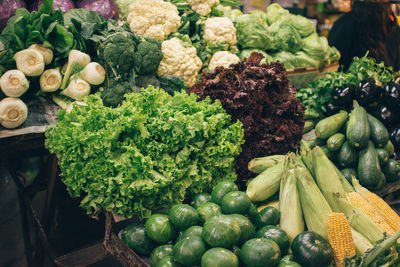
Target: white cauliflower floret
{"x": 203, "y": 7}
{"x": 179, "y": 61}
{"x": 222, "y": 59}
{"x": 153, "y": 18}
{"x": 219, "y": 30}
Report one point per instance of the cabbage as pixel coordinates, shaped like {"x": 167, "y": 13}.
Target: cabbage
{"x": 123, "y": 8}
{"x": 289, "y": 60}
{"x": 107, "y": 8}
{"x": 7, "y": 10}
{"x": 275, "y": 13}
{"x": 303, "y": 25}
{"x": 247, "y": 52}
{"x": 334, "y": 54}
{"x": 287, "y": 38}
{"x": 252, "y": 32}
{"x": 259, "y": 14}
{"x": 315, "y": 46}
{"x": 304, "y": 60}
{"x": 64, "y": 5}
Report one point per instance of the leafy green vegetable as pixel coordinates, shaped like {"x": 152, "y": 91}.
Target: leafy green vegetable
{"x": 252, "y": 32}
{"x": 113, "y": 93}
{"x": 43, "y": 27}
{"x": 149, "y": 152}
{"x": 275, "y": 13}
{"x": 287, "y": 38}
{"x": 172, "y": 84}
{"x": 315, "y": 46}
{"x": 288, "y": 59}
{"x": 303, "y": 25}
{"x": 304, "y": 60}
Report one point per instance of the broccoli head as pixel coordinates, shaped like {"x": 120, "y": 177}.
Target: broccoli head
{"x": 147, "y": 56}
{"x": 118, "y": 50}
{"x": 115, "y": 89}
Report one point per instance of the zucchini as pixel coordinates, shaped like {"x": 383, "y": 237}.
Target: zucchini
{"x": 309, "y": 114}
{"x": 308, "y": 126}
{"x": 331, "y": 125}
{"x": 379, "y": 133}
{"x": 335, "y": 141}
{"x": 331, "y": 155}
{"x": 347, "y": 156}
{"x": 383, "y": 156}
{"x": 392, "y": 170}
{"x": 389, "y": 148}
{"x": 358, "y": 131}
{"x": 369, "y": 169}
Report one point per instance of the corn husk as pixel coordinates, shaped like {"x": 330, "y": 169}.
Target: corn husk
{"x": 258, "y": 165}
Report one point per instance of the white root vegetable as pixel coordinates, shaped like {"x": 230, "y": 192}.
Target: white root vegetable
{"x": 30, "y": 62}
{"x": 93, "y": 73}
{"x": 47, "y": 53}
{"x": 77, "y": 89}
{"x": 13, "y": 83}
{"x": 50, "y": 80}
{"x": 77, "y": 60}
{"x": 13, "y": 112}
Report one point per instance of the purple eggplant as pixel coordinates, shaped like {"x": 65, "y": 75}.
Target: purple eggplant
{"x": 384, "y": 114}
{"x": 343, "y": 96}
{"x": 368, "y": 91}
{"x": 8, "y": 9}
{"x": 391, "y": 94}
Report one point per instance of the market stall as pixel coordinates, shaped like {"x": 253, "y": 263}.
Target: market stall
{"x": 202, "y": 135}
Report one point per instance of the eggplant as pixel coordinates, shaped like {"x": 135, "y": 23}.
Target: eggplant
{"x": 368, "y": 91}
{"x": 343, "y": 95}
{"x": 384, "y": 114}
{"x": 391, "y": 94}
{"x": 395, "y": 136}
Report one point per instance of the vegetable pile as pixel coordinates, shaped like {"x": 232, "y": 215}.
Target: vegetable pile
{"x": 358, "y": 143}
{"x": 151, "y": 151}
{"x": 260, "y": 97}
{"x": 313, "y": 195}
{"x": 221, "y": 229}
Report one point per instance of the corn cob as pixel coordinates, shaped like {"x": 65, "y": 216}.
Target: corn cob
{"x": 340, "y": 237}
{"x": 258, "y": 165}
{"x": 391, "y": 216}
{"x": 357, "y": 200}
{"x": 266, "y": 184}
{"x": 291, "y": 214}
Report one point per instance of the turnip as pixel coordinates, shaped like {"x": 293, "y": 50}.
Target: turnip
{"x": 77, "y": 89}
{"x": 77, "y": 60}
{"x": 13, "y": 112}
{"x": 47, "y": 53}
{"x": 13, "y": 83}
{"x": 50, "y": 80}
{"x": 93, "y": 73}
{"x": 30, "y": 62}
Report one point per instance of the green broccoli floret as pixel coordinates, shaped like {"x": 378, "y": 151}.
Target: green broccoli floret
{"x": 148, "y": 56}
{"x": 114, "y": 91}
{"x": 118, "y": 50}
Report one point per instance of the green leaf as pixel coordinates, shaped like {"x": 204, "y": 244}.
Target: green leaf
{"x": 59, "y": 37}
{"x": 46, "y": 7}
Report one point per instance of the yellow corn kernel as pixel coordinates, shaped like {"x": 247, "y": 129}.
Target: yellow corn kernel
{"x": 340, "y": 237}
{"x": 391, "y": 216}
{"x": 360, "y": 202}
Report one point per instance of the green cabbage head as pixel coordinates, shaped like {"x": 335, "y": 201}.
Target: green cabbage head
{"x": 315, "y": 46}
{"x": 275, "y": 13}
{"x": 303, "y": 25}
{"x": 252, "y": 32}
{"x": 287, "y": 38}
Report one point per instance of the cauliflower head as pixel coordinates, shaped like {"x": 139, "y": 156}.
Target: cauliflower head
{"x": 222, "y": 59}
{"x": 219, "y": 30}
{"x": 178, "y": 60}
{"x": 203, "y": 7}
{"x": 153, "y": 18}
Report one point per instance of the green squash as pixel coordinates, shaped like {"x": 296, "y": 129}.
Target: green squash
{"x": 236, "y": 250}
{"x": 193, "y": 231}
{"x": 260, "y": 252}
{"x": 311, "y": 250}
{"x": 135, "y": 237}
{"x": 236, "y": 202}
{"x": 207, "y": 210}
{"x": 189, "y": 251}
{"x": 221, "y": 231}
{"x": 288, "y": 264}
{"x": 159, "y": 253}
{"x": 159, "y": 228}
{"x": 168, "y": 262}
{"x": 219, "y": 257}
{"x": 221, "y": 189}
{"x": 287, "y": 258}
{"x": 267, "y": 216}
{"x": 183, "y": 216}
{"x": 276, "y": 234}
{"x": 252, "y": 211}
{"x": 199, "y": 199}
{"x": 247, "y": 229}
